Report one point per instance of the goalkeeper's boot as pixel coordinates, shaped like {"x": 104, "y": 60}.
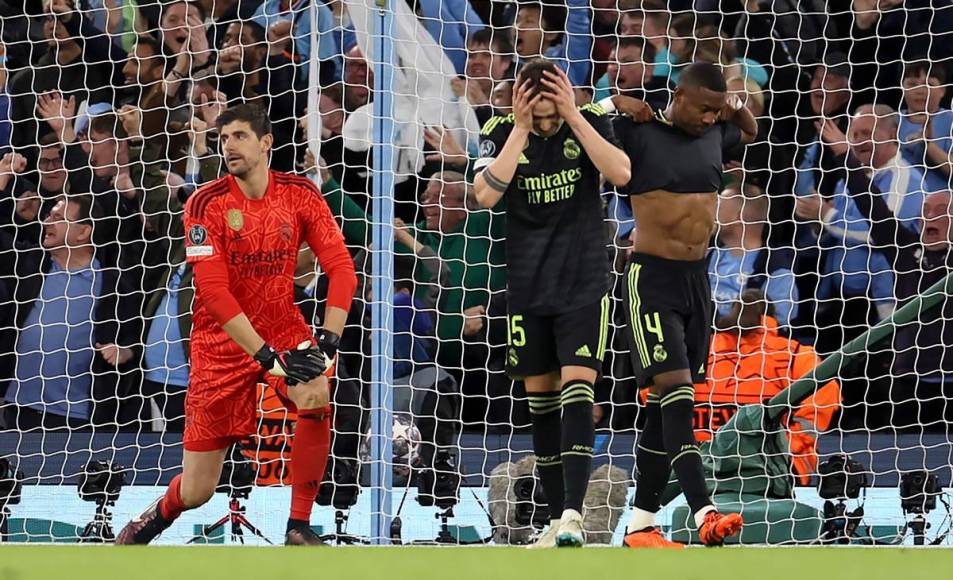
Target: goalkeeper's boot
{"x": 570, "y": 530}
{"x": 717, "y": 527}
{"x": 548, "y": 538}
{"x": 650, "y": 537}
{"x": 145, "y": 528}
{"x": 300, "y": 536}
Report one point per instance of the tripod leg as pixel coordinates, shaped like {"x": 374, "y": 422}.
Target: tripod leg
{"x": 211, "y": 528}
{"x": 243, "y": 521}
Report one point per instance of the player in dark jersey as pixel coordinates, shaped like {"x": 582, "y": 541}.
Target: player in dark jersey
{"x": 546, "y": 158}
{"x": 244, "y": 232}
{"x": 676, "y": 175}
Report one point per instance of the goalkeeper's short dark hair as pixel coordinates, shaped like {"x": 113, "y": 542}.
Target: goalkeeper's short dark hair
{"x": 704, "y": 75}
{"x": 534, "y": 72}
{"x": 254, "y": 115}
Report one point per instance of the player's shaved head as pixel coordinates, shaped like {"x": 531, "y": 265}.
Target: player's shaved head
{"x": 703, "y": 75}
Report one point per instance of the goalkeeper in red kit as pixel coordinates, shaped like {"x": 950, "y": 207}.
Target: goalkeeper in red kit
{"x": 243, "y": 235}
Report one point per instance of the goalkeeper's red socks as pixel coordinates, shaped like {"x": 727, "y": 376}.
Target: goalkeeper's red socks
{"x": 309, "y": 458}
{"x": 171, "y": 506}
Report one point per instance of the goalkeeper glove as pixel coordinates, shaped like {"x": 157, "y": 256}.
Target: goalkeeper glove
{"x": 301, "y": 365}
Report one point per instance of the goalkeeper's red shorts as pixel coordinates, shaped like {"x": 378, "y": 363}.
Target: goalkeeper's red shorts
{"x": 221, "y": 407}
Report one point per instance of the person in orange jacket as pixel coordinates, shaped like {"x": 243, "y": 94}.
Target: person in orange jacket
{"x": 751, "y": 361}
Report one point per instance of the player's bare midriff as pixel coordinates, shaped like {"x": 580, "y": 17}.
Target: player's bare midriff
{"x": 676, "y": 226}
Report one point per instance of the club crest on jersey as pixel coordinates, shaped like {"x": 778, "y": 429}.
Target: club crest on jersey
{"x": 197, "y": 235}
{"x": 235, "y": 219}
{"x": 286, "y": 232}
{"x": 571, "y": 149}
{"x": 487, "y": 149}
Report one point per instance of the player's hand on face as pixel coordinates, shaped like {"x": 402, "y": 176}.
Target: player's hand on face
{"x": 559, "y": 90}
{"x": 733, "y": 104}
{"x": 638, "y": 110}
{"x": 523, "y": 103}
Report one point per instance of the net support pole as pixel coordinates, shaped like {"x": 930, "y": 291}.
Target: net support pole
{"x": 382, "y": 280}
{"x": 831, "y": 366}
{"x": 314, "y": 81}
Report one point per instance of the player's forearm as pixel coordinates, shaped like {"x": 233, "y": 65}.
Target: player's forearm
{"x": 241, "y": 331}
{"x": 502, "y": 168}
{"x": 611, "y": 161}
{"x": 744, "y": 120}
{"x": 334, "y": 320}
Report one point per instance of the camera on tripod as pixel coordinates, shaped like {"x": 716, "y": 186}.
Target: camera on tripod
{"x": 532, "y": 507}
{"x": 100, "y": 483}
{"x": 919, "y": 491}
{"x": 11, "y": 487}
{"x": 238, "y": 475}
{"x": 841, "y": 478}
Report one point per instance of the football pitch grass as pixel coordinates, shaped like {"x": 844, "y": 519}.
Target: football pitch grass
{"x": 56, "y": 562}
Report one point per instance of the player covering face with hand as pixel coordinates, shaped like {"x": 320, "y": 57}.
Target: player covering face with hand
{"x": 547, "y": 159}
{"x": 243, "y": 235}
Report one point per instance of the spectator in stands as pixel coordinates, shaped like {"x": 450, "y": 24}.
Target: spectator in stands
{"x": 751, "y": 360}
{"x": 542, "y": 28}
{"x": 921, "y": 381}
{"x": 629, "y": 74}
{"x": 467, "y": 241}
{"x": 165, "y": 353}
{"x": 358, "y": 80}
{"x": 142, "y": 72}
{"x": 852, "y": 278}
{"x": 489, "y": 62}
{"x": 829, "y": 98}
{"x": 246, "y": 72}
{"x": 76, "y": 324}
{"x": 740, "y": 259}
{"x": 20, "y": 208}
{"x": 649, "y": 21}
{"x": 60, "y": 69}
{"x": 926, "y": 129}
{"x": 502, "y": 98}
{"x": 289, "y": 31}
{"x": 186, "y": 47}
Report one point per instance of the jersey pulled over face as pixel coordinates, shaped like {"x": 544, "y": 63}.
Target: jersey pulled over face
{"x": 258, "y": 241}
{"x": 665, "y": 157}
{"x": 555, "y": 236}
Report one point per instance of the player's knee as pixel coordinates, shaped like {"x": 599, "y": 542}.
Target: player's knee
{"x": 313, "y": 395}
{"x": 665, "y": 383}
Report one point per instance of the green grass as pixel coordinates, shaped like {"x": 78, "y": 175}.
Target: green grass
{"x": 212, "y": 563}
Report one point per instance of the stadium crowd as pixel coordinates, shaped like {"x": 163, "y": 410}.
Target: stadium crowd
{"x": 107, "y": 114}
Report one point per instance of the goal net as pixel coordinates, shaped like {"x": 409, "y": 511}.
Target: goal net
{"x": 836, "y": 215}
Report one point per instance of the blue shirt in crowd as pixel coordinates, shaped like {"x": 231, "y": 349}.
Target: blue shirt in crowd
{"x": 413, "y": 329}
{"x": 728, "y": 274}
{"x": 850, "y": 267}
{"x": 914, "y": 151}
{"x": 55, "y": 347}
{"x": 329, "y": 44}
{"x": 166, "y": 361}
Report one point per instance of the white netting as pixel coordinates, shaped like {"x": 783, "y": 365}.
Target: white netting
{"x": 113, "y": 103}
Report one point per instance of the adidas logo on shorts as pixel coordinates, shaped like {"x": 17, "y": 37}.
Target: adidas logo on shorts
{"x": 584, "y": 351}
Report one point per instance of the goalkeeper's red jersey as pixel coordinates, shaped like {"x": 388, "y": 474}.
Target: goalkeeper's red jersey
{"x": 245, "y": 252}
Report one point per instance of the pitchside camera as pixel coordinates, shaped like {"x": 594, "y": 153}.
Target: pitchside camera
{"x": 918, "y": 492}
{"x": 101, "y": 482}
{"x": 532, "y": 507}
{"x": 238, "y": 474}
{"x": 840, "y": 477}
